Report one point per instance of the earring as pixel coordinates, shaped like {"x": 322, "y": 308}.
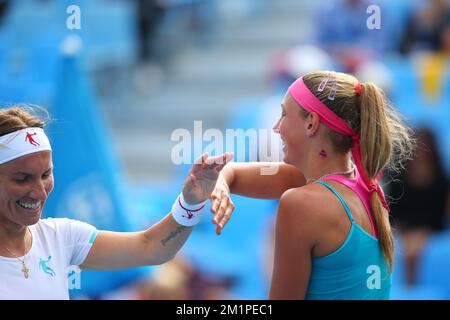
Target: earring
{"x": 323, "y": 154}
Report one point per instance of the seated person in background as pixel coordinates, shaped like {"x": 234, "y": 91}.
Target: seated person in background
{"x": 421, "y": 197}
{"x": 4, "y": 5}
{"x": 426, "y": 28}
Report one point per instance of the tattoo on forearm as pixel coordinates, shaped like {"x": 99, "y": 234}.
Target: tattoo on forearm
{"x": 173, "y": 234}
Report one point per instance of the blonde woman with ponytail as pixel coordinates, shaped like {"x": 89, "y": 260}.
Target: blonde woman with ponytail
{"x": 333, "y": 239}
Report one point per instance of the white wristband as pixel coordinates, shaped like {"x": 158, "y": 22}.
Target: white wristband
{"x": 187, "y": 214}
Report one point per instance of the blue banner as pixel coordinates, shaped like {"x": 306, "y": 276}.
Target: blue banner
{"x": 87, "y": 174}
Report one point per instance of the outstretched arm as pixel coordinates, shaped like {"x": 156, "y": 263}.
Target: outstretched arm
{"x": 122, "y": 250}
{"x": 161, "y": 242}
{"x": 263, "y": 180}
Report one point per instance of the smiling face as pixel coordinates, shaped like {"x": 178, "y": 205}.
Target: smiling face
{"x": 25, "y": 184}
{"x": 292, "y": 129}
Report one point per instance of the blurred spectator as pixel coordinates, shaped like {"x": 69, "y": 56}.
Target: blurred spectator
{"x": 422, "y": 198}
{"x": 348, "y": 38}
{"x": 150, "y": 13}
{"x": 180, "y": 16}
{"x": 4, "y": 5}
{"x": 289, "y": 64}
{"x": 427, "y": 29}
{"x": 445, "y": 40}
{"x": 180, "y": 280}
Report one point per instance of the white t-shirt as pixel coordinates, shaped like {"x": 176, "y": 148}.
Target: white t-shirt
{"x": 58, "y": 243}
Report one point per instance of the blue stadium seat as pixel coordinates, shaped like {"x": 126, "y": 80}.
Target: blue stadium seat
{"x": 434, "y": 266}
{"x": 406, "y": 87}
{"x": 400, "y": 289}
{"x": 109, "y": 33}
{"x": 416, "y": 292}
{"x": 399, "y": 271}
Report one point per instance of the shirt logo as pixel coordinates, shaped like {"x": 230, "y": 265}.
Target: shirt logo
{"x": 30, "y": 138}
{"x": 43, "y": 265}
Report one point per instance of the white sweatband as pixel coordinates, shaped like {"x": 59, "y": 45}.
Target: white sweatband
{"x": 22, "y": 142}
{"x": 187, "y": 214}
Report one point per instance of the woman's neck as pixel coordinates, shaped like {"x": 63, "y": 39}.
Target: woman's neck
{"x": 318, "y": 167}
{"x": 13, "y": 237}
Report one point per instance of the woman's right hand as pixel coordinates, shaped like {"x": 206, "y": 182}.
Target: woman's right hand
{"x": 203, "y": 177}
{"x": 221, "y": 205}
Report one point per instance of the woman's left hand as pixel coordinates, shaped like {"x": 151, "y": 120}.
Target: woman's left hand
{"x": 221, "y": 206}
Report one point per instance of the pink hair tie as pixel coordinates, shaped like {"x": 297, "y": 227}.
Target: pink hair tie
{"x": 358, "y": 88}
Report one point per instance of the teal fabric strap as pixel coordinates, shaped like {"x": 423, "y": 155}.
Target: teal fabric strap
{"x": 347, "y": 209}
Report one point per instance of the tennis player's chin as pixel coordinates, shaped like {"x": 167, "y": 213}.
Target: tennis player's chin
{"x": 288, "y": 159}
{"x": 31, "y": 216}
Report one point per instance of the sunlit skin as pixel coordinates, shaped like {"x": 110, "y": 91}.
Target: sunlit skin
{"x": 289, "y": 127}
{"x": 303, "y": 139}
{"x": 25, "y": 180}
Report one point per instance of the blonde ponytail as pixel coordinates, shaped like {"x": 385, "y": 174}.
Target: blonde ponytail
{"x": 383, "y": 139}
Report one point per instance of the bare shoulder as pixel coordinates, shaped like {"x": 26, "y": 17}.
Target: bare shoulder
{"x": 314, "y": 215}
{"x": 298, "y": 211}
{"x": 307, "y": 200}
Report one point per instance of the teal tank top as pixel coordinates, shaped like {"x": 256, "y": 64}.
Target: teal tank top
{"x": 355, "y": 271}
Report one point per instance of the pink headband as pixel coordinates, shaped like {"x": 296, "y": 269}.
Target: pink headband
{"x": 308, "y": 101}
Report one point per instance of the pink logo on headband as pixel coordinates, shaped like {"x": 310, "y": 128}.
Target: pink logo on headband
{"x": 30, "y": 138}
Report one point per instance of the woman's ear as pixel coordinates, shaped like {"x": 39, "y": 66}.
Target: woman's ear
{"x": 313, "y": 123}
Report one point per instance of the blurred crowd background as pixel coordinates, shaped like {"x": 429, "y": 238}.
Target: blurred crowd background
{"x": 136, "y": 70}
